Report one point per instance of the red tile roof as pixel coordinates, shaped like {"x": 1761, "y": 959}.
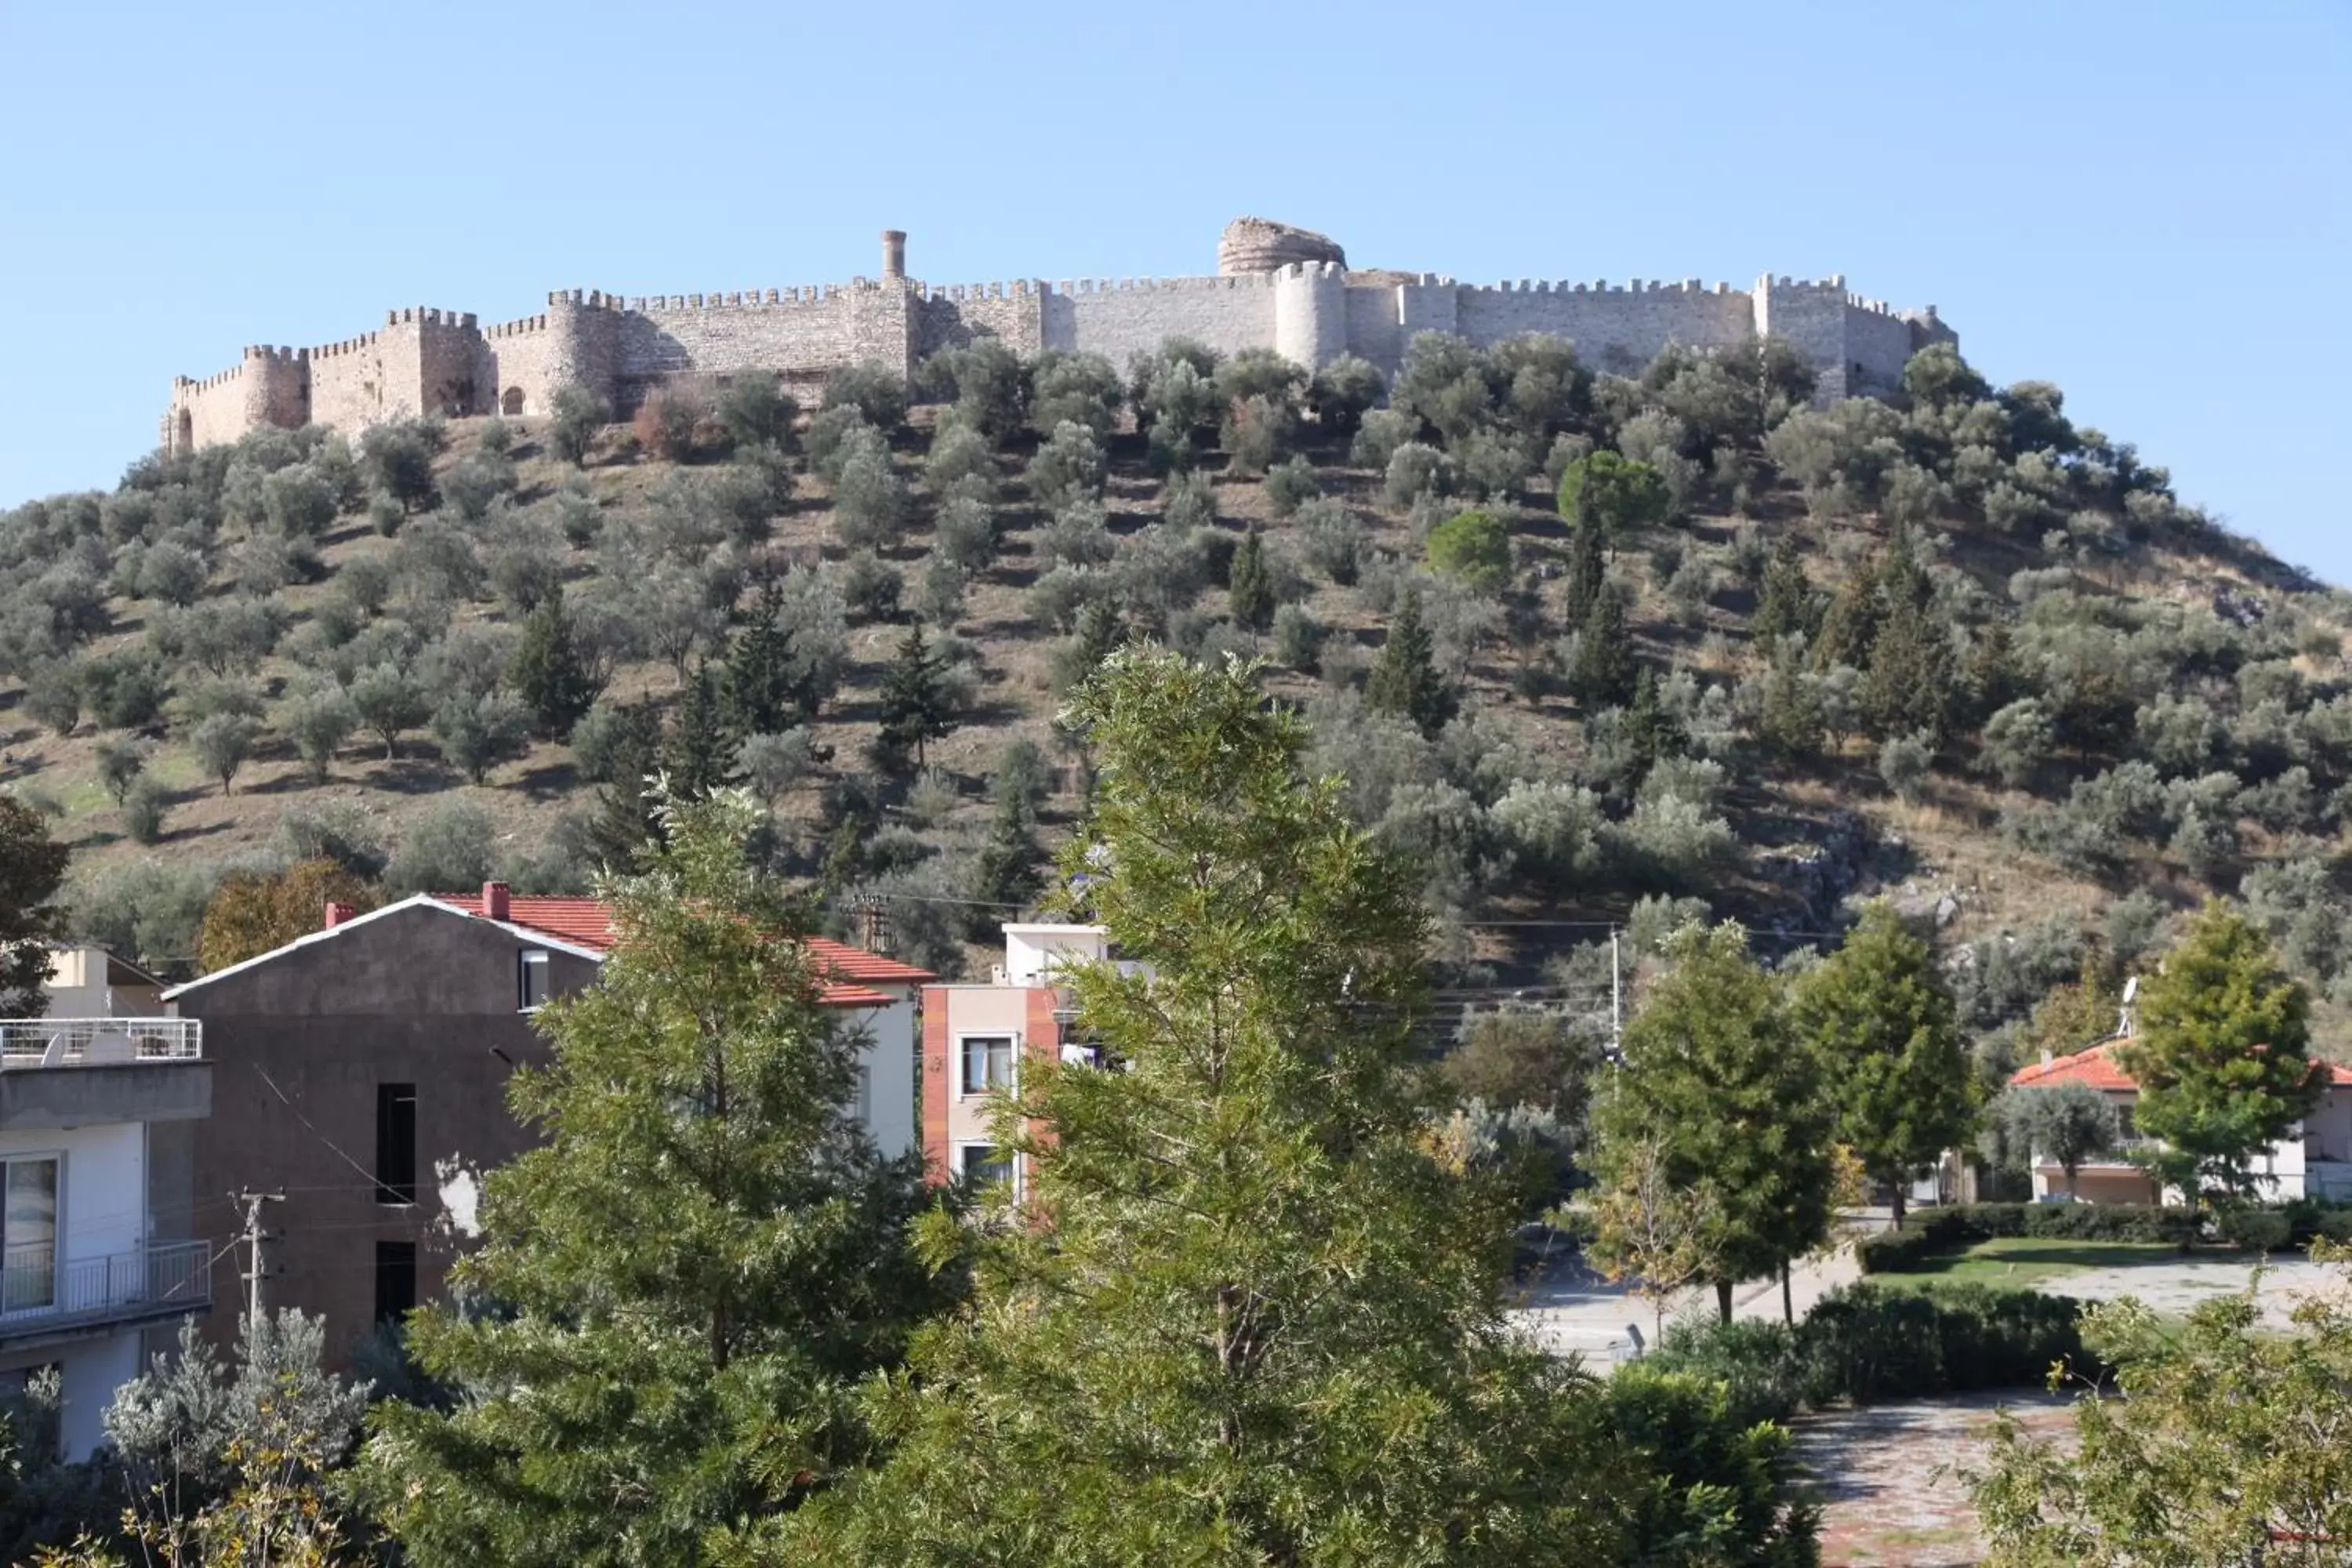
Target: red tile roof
{"x": 588, "y": 923}
{"x": 2096, "y": 1068}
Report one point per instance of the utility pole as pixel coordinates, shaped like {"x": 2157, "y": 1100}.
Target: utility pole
{"x": 253, "y": 1239}
{"x": 1616, "y": 1002}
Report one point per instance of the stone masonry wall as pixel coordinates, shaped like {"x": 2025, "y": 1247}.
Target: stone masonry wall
{"x": 427, "y": 360}
{"x": 1129, "y": 318}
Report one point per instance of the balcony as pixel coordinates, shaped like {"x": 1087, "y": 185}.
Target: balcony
{"x": 58, "y": 1073}
{"x": 43, "y": 1300}
{"x": 98, "y": 1042}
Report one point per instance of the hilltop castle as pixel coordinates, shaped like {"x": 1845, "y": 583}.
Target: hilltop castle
{"x": 1276, "y": 287}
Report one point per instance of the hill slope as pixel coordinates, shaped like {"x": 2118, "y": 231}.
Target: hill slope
{"x": 1960, "y": 649}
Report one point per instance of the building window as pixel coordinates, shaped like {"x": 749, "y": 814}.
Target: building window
{"x": 987, "y": 1064}
{"x": 28, "y": 1235}
{"x": 395, "y": 1280}
{"x": 531, "y": 988}
{"x": 981, "y": 1164}
{"x": 395, "y": 1142}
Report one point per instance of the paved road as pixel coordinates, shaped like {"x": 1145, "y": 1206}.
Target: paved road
{"x": 1571, "y": 1309}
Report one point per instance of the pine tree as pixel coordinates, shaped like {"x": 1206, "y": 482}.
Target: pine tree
{"x": 918, "y": 702}
{"x": 1006, "y": 875}
{"x": 1791, "y": 720}
{"x": 548, "y": 672}
{"x": 1907, "y": 681}
{"x": 1251, "y": 589}
{"x": 1603, "y": 676}
{"x": 699, "y": 754}
{"x": 762, "y": 696}
{"x": 1715, "y": 1088}
{"x": 696, "y": 1271}
{"x": 1101, "y": 628}
{"x": 2222, "y": 1054}
{"x": 1650, "y": 732}
{"x": 1787, "y": 603}
{"x": 1274, "y": 1336}
{"x": 1879, "y": 1022}
{"x": 1404, "y": 678}
{"x": 625, "y": 822}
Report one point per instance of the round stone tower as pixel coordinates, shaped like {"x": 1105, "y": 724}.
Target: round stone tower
{"x": 1261, "y": 245}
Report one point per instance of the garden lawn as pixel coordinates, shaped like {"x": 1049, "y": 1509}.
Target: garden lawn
{"x": 2028, "y": 1260}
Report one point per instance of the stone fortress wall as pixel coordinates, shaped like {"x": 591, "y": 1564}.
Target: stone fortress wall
{"x": 1277, "y": 287}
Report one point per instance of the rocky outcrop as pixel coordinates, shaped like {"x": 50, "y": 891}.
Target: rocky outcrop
{"x": 1261, "y": 245}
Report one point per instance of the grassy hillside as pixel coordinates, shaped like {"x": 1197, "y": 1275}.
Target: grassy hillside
{"x": 1959, "y": 650}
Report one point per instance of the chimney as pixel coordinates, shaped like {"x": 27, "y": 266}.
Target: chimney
{"x": 337, "y": 913}
{"x": 894, "y": 253}
{"x": 494, "y": 899}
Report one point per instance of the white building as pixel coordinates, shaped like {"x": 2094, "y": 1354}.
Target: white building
{"x": 93, "y": 1103}
{"x": 2314, "y": 1160}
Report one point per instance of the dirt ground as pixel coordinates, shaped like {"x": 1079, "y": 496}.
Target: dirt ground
{"x": 1882, "y": 1475}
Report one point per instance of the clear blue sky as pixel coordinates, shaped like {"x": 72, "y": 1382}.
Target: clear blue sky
{"x": 2148, "y": 203}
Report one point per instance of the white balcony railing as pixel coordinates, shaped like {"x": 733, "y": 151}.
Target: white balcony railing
{"x": 40, "y": 1295}
{"x": 99, "y": 1042}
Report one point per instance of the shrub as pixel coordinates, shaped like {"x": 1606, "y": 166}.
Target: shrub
{"x": 1297, "y": 639}
{"x": 144, "y": 807}
{"x": 959, "y": 455}
{"x": 1291, "y": 484}
{"x": 1937, "y": 1233}
{"x": 1069, "y": 466}
{"x": 871, "y": 589}
{"x": 1414, "y": 470}
{"x": 1903, "y": 763}
{"x": 1331, "y": 540}
{"x": 1343, "y": 392}
{"x": 1078, "y": 388}
{"x": 477, "y": 483}
{"x": 755, "y": 411}
{"x": 1078, "y": 535}
{"x": 870, "y": 498}
{"x": 966, "y": 534}
{"x": 579, "y": 416}
{"x": 877, "y": 392}
{"x": 337, "y": 830}
{"x": 447, "y": 846}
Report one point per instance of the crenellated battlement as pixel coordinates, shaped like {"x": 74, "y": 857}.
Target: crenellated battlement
{"x": 1278, "y": 287}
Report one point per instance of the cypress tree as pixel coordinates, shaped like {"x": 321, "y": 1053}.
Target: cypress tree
{"x": 1851, "y": 626}
{"x": 1404, "y": 678}
{"x": 1007, "y": 872}
{"x": 1586, "y": 570}
{"x": 548, "y": 674}
{"x": 699, "y": 756}
{"x": 1251, "y": 591}
{"x": 1604, "y": 672}
{"x": 1791, "y": 722}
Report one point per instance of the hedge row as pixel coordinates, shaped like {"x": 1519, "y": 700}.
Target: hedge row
{"x": 1867, "y": 1343}
{"x": 1933, "y": 1233}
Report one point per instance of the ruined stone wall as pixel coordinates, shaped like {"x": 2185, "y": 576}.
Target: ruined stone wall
{"x": 514, "y": 359}
{"x": 449, "y": 354}
{"x": 1878, "y": 344}
{"x": 807, "y": 333}
{"x": 1129, "y": 320}
{"x": 206, "y": 412}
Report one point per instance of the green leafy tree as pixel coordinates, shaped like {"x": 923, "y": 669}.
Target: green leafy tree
{"x": 1007, "y": 877}
{"x": 1474, "y": 548}
{"x": 1587, "y": 570}
{"x": 1251, "y": 590}
{"x": 548, "y": 671}
{"x": 1524, "y": 1056}
{"x": 1791, "y": 722}
{"x": 1614, "y": 493}
{"x": 2221, "y": 1441}
{"x": 222, "y": 742}
{"x": 122, "y": 760}
{"x": 1274, "y": 1337}
{"x": 919, "y": 701}
{"x": 318, "y": 717}
{"x": 1879, "y": 1023}
{"x": 1404, "y": 678}
{"x": 624, "y": 821}
{"x": 697, "y": 1270}
{"x": 2068, "y": 1124}
{"x": 32, "y": 865}
{"x": 254, "y": 912}
{"x": 756, "y": 412}
{"x": 398, "y": 458}
{"x": 480, "y": 730}
{"x": 2221, "y": 1052}
{"x": 1907, "y": 685}
{"x": 388, "y": 701}
{"x": 580, "y": 415}
{"x": 1715, "y": 1080}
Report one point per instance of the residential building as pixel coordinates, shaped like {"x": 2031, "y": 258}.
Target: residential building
{"x": 363, "y": 1072}
{"x": 2314, "y": 1160}
{"x": 976, "y": 1038}
{"x": 97, "y": 1103}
